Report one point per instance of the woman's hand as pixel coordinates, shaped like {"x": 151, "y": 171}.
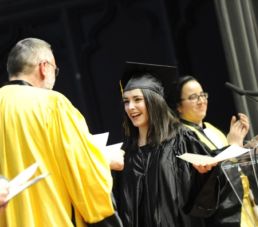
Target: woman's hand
{"x": 116, "y": 160}
{"x": 238, "y": 129}
{"x": 204, "y": 168}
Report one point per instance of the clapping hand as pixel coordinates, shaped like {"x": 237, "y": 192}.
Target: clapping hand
{"x": 238, "y": 129}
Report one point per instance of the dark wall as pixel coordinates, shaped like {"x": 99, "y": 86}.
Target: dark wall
{"x": 200, "y": 53}
{"x": 92, "y": 39}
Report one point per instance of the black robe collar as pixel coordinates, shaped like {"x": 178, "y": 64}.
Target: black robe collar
{"x": 199, "y": 128}
{"x": 18, "y": 82}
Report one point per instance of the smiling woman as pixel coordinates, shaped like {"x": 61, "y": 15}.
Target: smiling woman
{"x": 136, "y": 109}
{"x": 190, "y": 103}
{"x": 194, "y": 101}
{"x": 155, "y": 188}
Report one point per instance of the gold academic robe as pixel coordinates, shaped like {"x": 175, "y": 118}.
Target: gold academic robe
{"x": 39, "y": 125}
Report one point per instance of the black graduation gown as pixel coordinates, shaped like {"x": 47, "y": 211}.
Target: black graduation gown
{"x": 228, "y": 212}
{"x": 156, "y": 188}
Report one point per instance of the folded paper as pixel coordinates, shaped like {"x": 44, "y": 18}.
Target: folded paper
{"x": 197, "y": 159}
{"x": 21, "y": 181}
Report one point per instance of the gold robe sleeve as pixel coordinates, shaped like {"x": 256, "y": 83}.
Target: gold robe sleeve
{"x": 84, "y": 168}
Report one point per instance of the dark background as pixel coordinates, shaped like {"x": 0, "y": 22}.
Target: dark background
{"x": 93, "y": 38}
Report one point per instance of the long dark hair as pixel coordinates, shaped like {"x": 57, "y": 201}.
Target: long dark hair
{"x": 162, "y": 122}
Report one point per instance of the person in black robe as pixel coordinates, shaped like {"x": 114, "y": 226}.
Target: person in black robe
{"x": 190, "y": 103}
{"x": 157, "y": 189}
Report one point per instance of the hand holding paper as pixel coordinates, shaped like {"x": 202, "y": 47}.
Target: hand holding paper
{"x": 113, "y": 153}
{"x": 197, "y": 159}
{"x": 4, "y": 190}
{"x": 101, "y": 139}
{"x": 21, "y": 182}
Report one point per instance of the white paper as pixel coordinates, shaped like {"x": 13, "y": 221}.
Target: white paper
{"x": 114, "y": 147}
{"x": 23, "y": 176}
{"x": 101, "y": 139}
{"x": 197, "y": 159}
{"x": 21, "y": 181}
{"x": 13, "y": 191}
{"x": 231, "y": 152}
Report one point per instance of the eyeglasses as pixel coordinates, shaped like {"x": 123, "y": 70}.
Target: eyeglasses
{"x": 55, "y": 67}
{"x": 196, "y": 97}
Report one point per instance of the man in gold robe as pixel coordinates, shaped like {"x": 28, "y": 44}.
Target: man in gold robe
{"x": 40, "y": 125}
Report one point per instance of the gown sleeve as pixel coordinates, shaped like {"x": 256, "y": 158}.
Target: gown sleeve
{"x": 202, "y": 199}
{"x": 84, "y": 169}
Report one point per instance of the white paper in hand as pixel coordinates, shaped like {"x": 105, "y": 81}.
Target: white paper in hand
{"x": 197, "y": 159}
{"x": 114, "y": 147}
{"x": 21, "y": 181}
{"x": 101, "y": 139}
{"x": 232, "y": 151}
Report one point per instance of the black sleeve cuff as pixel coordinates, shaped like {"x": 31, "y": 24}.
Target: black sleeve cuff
{"x": 111, "y": 221}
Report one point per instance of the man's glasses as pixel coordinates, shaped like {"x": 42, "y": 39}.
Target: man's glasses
{"x": 55, "y": 67}
{"x": 196, "y": 97}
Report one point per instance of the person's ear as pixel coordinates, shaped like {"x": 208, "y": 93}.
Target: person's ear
{"x": 178, "y": 108}
{"x": 43, "y": 70}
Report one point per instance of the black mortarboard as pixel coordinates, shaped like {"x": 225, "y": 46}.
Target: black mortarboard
{"x": 163, "y": 73}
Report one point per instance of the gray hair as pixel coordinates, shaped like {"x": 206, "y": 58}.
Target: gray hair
{"x": 26, "y": 54}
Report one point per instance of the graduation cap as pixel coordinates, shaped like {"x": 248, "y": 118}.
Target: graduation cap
{"x": 134, "y": 71}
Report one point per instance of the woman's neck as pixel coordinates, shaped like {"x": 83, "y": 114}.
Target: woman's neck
{"x": 142, "y": 140}
{"x": 199, "y": 123}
